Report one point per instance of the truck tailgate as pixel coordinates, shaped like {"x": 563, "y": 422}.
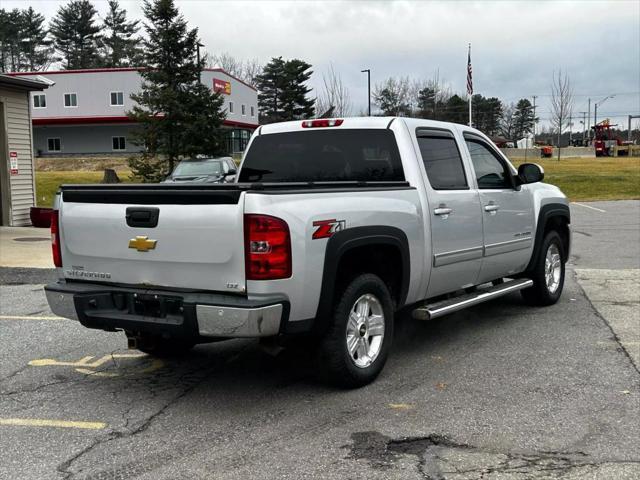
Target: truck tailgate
{"x": 197, "y": 242}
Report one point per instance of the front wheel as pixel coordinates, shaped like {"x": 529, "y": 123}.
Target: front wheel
{"x": 355, "y": 348}
{"x": 548, "y": 273}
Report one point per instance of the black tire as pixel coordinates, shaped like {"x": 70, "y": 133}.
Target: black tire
{"x": 161, "y": 347}
{"x": 540, "y": 294}
{"x": 335, "y": 364}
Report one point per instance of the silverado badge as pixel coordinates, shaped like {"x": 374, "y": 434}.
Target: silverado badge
{"x": 142, "y": 244}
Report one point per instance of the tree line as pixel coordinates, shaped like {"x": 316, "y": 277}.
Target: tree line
{"x": 434, "y": 100}
{"x": 76, "y": 38}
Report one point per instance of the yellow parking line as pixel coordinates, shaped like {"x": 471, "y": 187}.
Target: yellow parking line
{"x": 41, "y": 422}
{"x": 28, "y": 317}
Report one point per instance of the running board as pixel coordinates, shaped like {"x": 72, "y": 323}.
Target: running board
{"x": 444, "y": 307}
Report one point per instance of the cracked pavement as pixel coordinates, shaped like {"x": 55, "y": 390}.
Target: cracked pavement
{"x": 499, "y": 391}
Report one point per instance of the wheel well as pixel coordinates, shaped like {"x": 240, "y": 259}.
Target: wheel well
{"x": 385, "y": 261}
{"x": 560, "y": 224}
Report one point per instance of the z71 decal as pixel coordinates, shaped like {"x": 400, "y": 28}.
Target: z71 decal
{"x": 326, "y": 228}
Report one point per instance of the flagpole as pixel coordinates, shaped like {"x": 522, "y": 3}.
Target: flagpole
{"x": 469, "y": 84}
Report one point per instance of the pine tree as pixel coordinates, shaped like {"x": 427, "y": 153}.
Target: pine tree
{"x": 10, "y": 26}
{"x": 36, "y": 47}
{"x": 76, "y": 35}
{"x": 270, "y": 84}
{"x": 283, "y": 91}
{"x": 487, "y": 113}
{"x": 523, "y": 118}
{"x": 295, "y": 104}
{"x": 119, "y": 46}
{"x": 178, "y": 116}
{"x": 427, "y": 103}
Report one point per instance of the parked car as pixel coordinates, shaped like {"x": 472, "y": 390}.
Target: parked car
{"x": 334, "y": 226}
{"x": 204, "y": 170}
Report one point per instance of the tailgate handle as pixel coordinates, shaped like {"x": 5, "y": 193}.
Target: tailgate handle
{"x": 142, "y": 217}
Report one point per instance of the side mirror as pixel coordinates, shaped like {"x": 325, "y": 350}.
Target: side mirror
{"x": 232, "y": 171}
{"x": 530, "y": 173}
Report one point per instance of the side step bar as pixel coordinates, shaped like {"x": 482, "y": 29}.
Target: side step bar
{"x": 444, "y": 307}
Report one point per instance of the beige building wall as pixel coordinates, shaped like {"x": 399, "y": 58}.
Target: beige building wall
{"x": 18, "y": 138}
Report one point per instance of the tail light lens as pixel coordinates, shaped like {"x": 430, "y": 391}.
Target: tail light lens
{"x": 55, "y": 239}
{"x": 267, "y": 247}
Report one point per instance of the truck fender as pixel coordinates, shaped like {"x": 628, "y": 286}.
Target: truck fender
{"x": 344, "y": 241}
{"x": 547, "y": 212}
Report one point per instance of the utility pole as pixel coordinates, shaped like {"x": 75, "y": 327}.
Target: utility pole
{"x": 198, "y": 45}
{"x": 368, "y": 71}
{"x": 584, "y": 128}
{"x": 570, "y": 129}
{"x": 534, "y": 119}
{"x": 589, "y": 121}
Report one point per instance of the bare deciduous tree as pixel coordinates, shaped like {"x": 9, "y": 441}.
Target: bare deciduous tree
{"x": 245, "y": 70}
{"x": 334, "y": 97}
{"x": 561, "y": 103}
{"x": 393, "y": 96}
{"x": 507, "y": 122}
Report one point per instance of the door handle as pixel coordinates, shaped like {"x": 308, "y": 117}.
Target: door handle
{"x": 442, "y": 210}
{"x": 492, "y": 207}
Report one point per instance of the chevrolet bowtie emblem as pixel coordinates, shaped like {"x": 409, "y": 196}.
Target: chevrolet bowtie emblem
{"x": 142, "y": 244}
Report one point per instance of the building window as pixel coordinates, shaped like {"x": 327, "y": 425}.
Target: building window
{"x": 244, "y": 110}
{"x": 118, "y": 143}
{"x": 70, "y": 100}
{"x": 230, "y": 107}
{"x": 117, "y": 99}
{"x": 39, "y": 101}
{"x": 53, "y": 144}
{"x": 253, "y": 111}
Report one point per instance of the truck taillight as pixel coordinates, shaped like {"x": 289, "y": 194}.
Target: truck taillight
{"x": 267, "y": 245}
{"x": 55, "y": 239}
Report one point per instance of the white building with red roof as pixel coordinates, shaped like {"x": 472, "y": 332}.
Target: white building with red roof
{"x": 84, "y": 112}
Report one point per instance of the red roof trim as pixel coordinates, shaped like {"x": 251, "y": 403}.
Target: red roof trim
{"x": 114, "y": 119}
{"x": 233, "y": 123}
{"x": 120, "y": 69}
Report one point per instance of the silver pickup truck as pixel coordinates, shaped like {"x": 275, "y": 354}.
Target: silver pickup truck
{"x": 333, "y": 226}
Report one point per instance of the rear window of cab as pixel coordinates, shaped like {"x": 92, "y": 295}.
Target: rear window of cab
{"x": 323, "y": 156}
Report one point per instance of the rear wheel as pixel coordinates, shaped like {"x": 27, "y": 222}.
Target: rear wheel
{"x": 158, "y": 346}
{"x": 355, "y": 348}
{"x": 548, "y": 273}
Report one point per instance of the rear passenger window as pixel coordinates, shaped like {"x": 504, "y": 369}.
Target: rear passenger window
{"x": 323, "y": 155}
{"x": 442, "y": 162}
{"x": 490, "y": 172}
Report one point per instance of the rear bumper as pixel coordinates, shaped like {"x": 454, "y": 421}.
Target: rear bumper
{"x": 177, "y": 313}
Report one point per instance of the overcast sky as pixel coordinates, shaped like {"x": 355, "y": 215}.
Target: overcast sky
{"x": 516, "y": 45}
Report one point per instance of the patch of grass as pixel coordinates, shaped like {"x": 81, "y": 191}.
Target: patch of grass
{"x": 584, "y": 179}
{"x": 47, "y": 183}
{"x": 84, "y": 164}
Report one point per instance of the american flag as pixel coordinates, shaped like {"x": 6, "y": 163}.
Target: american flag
{"x": 469, "y": 74}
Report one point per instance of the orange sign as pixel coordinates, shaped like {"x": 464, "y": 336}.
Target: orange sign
{"x": 222, "y": 86}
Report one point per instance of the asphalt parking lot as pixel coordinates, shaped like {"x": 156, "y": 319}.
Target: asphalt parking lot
{"x": 501, "y": 390}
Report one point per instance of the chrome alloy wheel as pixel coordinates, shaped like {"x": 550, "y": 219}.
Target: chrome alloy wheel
{"x": 552, "y": 268}
{"x": 365, "y": 330}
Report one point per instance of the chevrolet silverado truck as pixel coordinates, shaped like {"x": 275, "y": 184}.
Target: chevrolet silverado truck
{"x": 333, "y": 226}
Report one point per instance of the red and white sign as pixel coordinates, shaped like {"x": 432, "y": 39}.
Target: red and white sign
{"x": 221, "y": 86}
{"x": 13, "y": 160}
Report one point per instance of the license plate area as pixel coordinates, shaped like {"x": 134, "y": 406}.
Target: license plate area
{"x": 148, "y": 305}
